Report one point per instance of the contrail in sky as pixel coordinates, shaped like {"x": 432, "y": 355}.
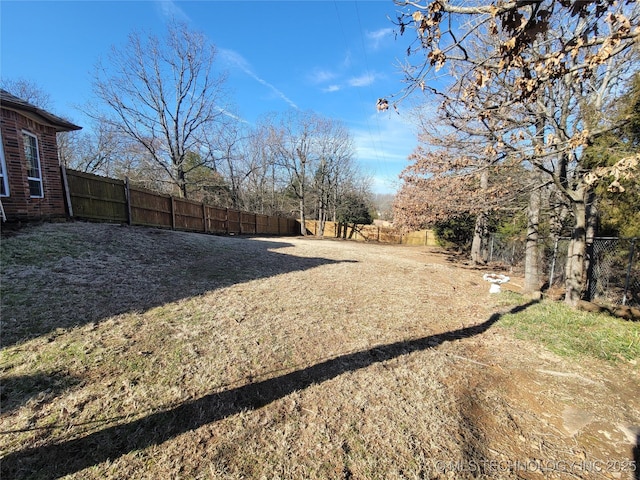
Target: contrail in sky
{"x": 170, "y": 9}
{"x": 231, "y": 115}
{"x": 239, "y": 61}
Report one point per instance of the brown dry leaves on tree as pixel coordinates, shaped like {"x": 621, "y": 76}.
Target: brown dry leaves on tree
{"x": 567, "y": 35}
{"x": 624, "y": 169}
{"x": 443, "y": 183}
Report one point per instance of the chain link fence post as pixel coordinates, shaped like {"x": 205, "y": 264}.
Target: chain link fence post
{"x": 627, "y": 279}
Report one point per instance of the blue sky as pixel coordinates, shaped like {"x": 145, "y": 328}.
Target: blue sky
{"x": 333, "y": 57}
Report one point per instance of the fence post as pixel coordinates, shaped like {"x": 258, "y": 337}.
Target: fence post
{"x": 627, "y": 279}
{"x": 67, "y": 194}
{"x": 127, "y": 197}
{"x": 173, "y": 213}
{"x": 204, "y": 218}
{"x": 553, "y": 262}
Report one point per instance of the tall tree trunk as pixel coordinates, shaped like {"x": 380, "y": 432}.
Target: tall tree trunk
{"x": 479, "y": 250}
{"x": 590, "y": 259}
{"x": 532, "y": 258}
{"x": 303, "y": 219}
{"x": 576, "y": 278}
{"x": 321, "y": 223}
{"x": 182, "y": 182}
{"x": 301, "y": 176}
{"x": 322, "y": 216}
{"x": 334, "y": 213}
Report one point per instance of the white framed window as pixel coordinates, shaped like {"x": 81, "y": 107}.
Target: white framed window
{"x": 34, "y": 172}
{"x": 4, "y": 180}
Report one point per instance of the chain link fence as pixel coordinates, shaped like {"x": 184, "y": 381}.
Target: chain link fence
{"x": 614, "y": 271}
{"x": 507, "y": 251}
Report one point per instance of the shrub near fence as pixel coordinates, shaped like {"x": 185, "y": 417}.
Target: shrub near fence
{"x": 93, "y": 197}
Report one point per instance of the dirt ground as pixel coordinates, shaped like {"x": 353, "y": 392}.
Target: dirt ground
{"x": 182, "y": 355}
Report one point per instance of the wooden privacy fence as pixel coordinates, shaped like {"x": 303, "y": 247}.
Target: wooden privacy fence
{"x": 92, "y": 197}
{"x": 373, "y": 233}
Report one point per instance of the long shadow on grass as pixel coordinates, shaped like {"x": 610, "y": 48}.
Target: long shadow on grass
{"x": 636, "y": 458}
{"x": 148, "y": 268}
{"x": 108, "y": 444}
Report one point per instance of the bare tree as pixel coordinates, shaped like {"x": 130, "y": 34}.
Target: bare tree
{"x": 163, "y": 93}
{"x": 28, "y": 91}
{"x": 97, "y": 150}
{"x": 334, "y": 167}
{"x": 294, "y": 139}
{"x": 264, "y": 177}
{"x": 316, "y": 153}
{"x": 142, "y": 170}
{"x": 233, "y": 162}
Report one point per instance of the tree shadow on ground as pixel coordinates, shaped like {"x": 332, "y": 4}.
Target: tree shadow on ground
{"x": 636, "y": 458}
{"x": 15, "y": 391}
{"x": 110, "y": 443}
{"x": 127, "y": 270}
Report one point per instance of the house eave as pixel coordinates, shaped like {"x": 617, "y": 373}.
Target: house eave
{"x": 13, "y": 103}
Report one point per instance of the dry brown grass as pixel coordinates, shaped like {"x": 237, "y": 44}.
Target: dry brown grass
{"x": 139, "y": 353}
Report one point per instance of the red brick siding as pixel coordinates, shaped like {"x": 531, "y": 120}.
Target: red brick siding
{"x": 19, "y": 205}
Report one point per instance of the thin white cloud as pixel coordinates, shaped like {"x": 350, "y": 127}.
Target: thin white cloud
{"x": 346, "y": 62}
{"x": 381, "y": 150}
{"x": 234, "y": 58}
{"x": 385, "y": 184}
{"x": 321, "y": 76}
{"x": 363, "y": 80}
{"x": 383, "y": 144}
{"x": 171, "y": 10}
{"x": 378, "y": 36}
{"x": 332, "y": 88}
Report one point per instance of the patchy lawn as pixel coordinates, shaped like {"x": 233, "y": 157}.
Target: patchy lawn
{"x": 142, "y": 353}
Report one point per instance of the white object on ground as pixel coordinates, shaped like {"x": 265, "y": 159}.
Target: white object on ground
{"x": 496, "y": 279}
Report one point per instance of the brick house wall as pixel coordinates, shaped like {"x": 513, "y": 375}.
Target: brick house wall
{"x": 19, "y": 205}
{"x": 18, "y": 117}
